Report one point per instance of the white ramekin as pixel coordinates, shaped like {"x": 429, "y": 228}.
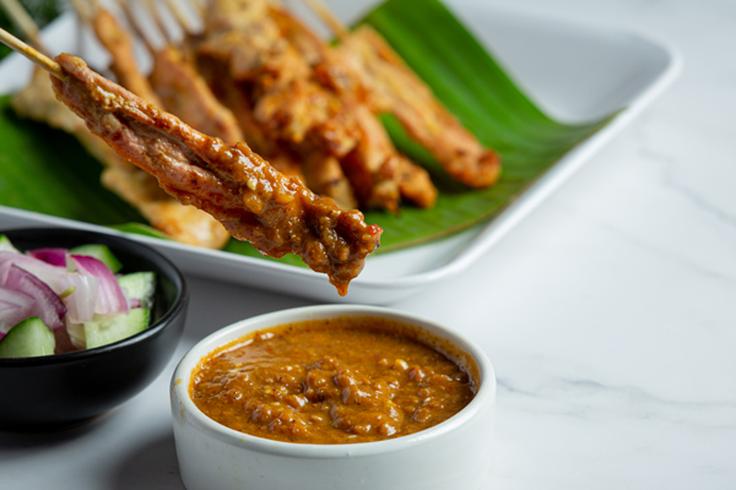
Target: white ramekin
{"x": 453, "y": 455}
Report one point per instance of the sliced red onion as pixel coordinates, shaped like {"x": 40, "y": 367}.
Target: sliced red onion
{"x": 52, "y": 256}
{"x": 110, "y": 297}
{"x": 55, "y": 277}
{"x": 47, "y": 305}
{"x": 80, "y": 297}
{"x": 78, "y": 291}
{"x": 14, "y": 308}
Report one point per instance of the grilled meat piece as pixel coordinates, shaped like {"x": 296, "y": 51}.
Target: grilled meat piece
{"x": 185, "y": 93}
{"x": 185, "y": 224}
{"x": 286, "y": 102}
{"x": 253, "y": 200}
{"x": 375, "y": 153}
{"x": 323, "y": 174}
{"x": 392, "y": 87}
{"x": 118, "y": 42}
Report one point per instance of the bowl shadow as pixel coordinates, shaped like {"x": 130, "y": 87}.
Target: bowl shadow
{"x": 150, "y": 464}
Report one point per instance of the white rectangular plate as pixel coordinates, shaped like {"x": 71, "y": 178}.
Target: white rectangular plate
{"x": 576, "y": 73}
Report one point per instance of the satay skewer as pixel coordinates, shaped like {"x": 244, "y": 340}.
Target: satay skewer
{"x": 23, "y": 21}
{"x": 153, "y": 11}
{"x": 181, "y": 19}
{"x": 329, "y": 18}
{"x": 136, "y": 26}
{"x": 31, "y": 53}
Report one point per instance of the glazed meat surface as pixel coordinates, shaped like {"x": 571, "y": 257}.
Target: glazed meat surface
{"x": 276, "y": 65}
{"x": 185, "y": 93}
{"x": 118, "y": 42}
{"x": 185, "y": 224}
{"x": 392, "y": 87}
{"x": 253, "y": 200}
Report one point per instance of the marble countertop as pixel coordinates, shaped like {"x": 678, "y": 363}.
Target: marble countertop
{"x": 609, "y": 313}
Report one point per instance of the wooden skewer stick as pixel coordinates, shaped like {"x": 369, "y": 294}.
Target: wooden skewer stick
{"x": 32, "y": 54}
{"x": 329, "y": 18}
{"x": 181, "y": 19}
{"x": 152, "y": 7}
{"x": 23, "y": 21}
{"x": 135, "y": 25}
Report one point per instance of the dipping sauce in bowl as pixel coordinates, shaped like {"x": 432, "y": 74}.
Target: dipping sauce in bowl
{"x": 341, "y": 397}
{"x": 334, "y": 381}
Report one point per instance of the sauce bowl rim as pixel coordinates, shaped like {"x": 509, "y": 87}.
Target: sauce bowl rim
{"x": 186, "y": 408}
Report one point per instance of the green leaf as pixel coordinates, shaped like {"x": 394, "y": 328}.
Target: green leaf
{"x": 47, "y": 171}
{"x": 474, "y": 87}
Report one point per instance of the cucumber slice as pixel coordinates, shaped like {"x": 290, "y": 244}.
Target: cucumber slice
{"x": 101, "y": 253}
{"x": 108, "y": 330}
{"x": 6, "y": 245}
{"x": 30, "y": 338}
{"x": 140, "y": 286}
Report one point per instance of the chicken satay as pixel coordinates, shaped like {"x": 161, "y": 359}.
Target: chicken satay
{"x": 253, "y": 75}
{"x": 413, "y": 182}
{"x": 185, "y": 224}
{"x": 310, "y": 46}
{"x": 118, "y": 43}
{"x": 329, "y": 69}
{"x": 301, "y": 113}
{"x": 292, "y": 106}
{"x": 376, "y": 149}
{"x": 392, "y": 87}
{"x": 323, "y": 174}
{"x": 268, "y": 83}
{"x": 234, "y": 97}
{"x": 253, "y": 200}
{"x": 184, "y": 93}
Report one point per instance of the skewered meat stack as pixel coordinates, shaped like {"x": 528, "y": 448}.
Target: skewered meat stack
{"x": 256, "y": 73}
{"x": 253, "y": 200}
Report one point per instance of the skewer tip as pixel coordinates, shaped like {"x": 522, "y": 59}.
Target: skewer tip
{"x": 32, "y": 54}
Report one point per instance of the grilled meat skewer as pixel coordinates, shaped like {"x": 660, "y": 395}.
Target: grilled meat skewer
{"x": 253, "y": 200}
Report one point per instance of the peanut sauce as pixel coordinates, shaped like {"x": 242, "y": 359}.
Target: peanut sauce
{"x": 338, "y": 381}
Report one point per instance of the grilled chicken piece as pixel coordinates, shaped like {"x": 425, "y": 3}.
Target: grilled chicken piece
{"x": 171, "y": 79}
{"x": 116, "y": 40}
{"x": 185, "y": 224}
{"x": 323, "y": 174}
{"x": 287, "y": 103}
{"x": 392, "y": 87}
{"x": 302, "y": 113}
{"x": 375, "y": 148}
{"x": 253, "y": 200}
{"x": 186, "y": 94}
{"x": 234, "y": 97}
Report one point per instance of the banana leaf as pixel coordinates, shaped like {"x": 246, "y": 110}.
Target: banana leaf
{"x": 46, "y": 171}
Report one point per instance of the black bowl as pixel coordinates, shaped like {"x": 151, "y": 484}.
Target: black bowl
{"x": 67, "y": 389}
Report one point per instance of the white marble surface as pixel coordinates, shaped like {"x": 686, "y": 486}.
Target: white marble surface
{"x": 609, "y": 313}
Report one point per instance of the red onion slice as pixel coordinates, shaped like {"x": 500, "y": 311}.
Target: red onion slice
{"x": 52, "y": 256}
{"x": 47, "y": 305}
{"x": 14, "y": 308}
{"x": 110, "y": 297}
